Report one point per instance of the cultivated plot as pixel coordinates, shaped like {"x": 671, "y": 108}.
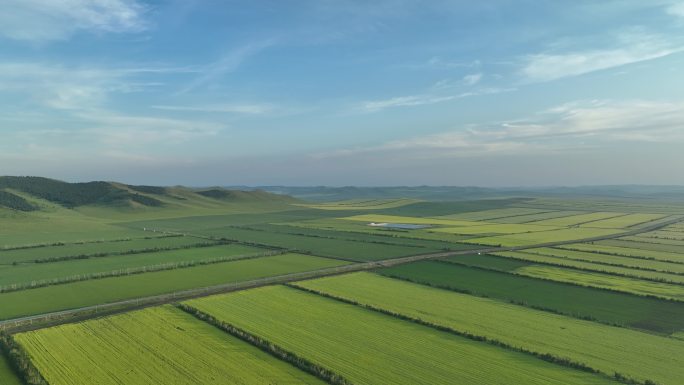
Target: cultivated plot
{"x": 160, "y": 345}
{"x": 371, "y": 348}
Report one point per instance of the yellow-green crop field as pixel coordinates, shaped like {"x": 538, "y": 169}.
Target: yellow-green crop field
{"x": 627, "y": 252}
{"x": 366, "y": 347}
{"x": 541, "y": 237}
{"x": 624, "y": 221}
{"x": 161, "y": 345}
{"x": 575, "y": 220}
{"x": 648, "y": 357}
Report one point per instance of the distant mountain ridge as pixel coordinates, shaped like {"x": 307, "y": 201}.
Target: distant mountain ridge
{"x": 19, "y": 192}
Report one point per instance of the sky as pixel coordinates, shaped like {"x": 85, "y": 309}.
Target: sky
{"x": 343, "y": 92}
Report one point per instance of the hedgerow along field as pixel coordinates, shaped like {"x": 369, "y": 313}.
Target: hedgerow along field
{"x": 367, "y": 347}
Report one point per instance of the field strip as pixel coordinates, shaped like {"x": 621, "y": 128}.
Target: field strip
{"x": 571, "y": 342}
{"x": 48, "y": 319}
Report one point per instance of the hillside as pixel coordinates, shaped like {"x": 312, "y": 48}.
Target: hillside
{"x": 26, "y": 193}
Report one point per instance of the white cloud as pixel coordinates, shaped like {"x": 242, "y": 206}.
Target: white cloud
{"x": 49, "y": 20}
{"x": 472, "y": 79}
{"x": 249, "y": 109}
{"x": 426, "y": 99}
{"x": 630, "y": 48}
{"x": 676, "y": 9}
{"x": 569, "y": 126}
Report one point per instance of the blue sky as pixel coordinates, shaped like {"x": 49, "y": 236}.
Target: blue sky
{"x": 312, "y": 92}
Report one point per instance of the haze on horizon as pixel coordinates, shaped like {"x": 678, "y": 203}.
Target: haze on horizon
{"x": 344, "y": 92}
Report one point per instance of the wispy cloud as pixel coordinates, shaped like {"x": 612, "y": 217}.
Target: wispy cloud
{"x": 632, "y": 47}
{"x": 427, "y": 99}
{"x": 228, "y": 63}
{"x": 568, "y": 126}
{"x": 472, "y": 79}
{"x": 249, "y": 109}
{"x": 48, "y": 20}
{"x": 676, "y": 9}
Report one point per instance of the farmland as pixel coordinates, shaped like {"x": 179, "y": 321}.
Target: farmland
{"x": 649, "y": 314}
{"x": 93, "y": 292}
{"x": 177, "y": 349}
{"x": 649, "y": 357}
{"x": 575, "y": 276}
{"x": 370, "y": 348}
{"x": 557, "y": 309}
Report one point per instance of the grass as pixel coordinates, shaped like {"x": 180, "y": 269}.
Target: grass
{"x": 577, "y": 277}
{"x": 625, "y": 221}
{"x": 636, "y": 263}
{"x": 540, "y": 237}
{"x": 340, "y": 248}
{"x": 412, "y": 220}
{"x": 93, "y": 248}
{"x": 649, "y": 314}
{"x": 371, "y": 348}
{"x": 601, "y": 267}
{"x": 645, "y": 244}
{"x": 7, "y": 375}
{"x": 93, "y": 292}
{"x": 537, "y": 217}
{"x": 28, "y": 273}
{"x": 574, "y": 220}
{"x": 362, "y": 204}
{"x": 493, "y": 214}
{"x": 485, "y": 228}
{"x": 160, "y": 345}
{"x": 649, "y": 357}
{"x": 628, "y": 252}
{"x": 385, "y": 238}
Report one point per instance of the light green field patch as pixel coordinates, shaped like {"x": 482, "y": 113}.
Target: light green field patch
{"x": 649, "y": 357}
{"x": 628, "y": 252}
{"x": 361, "y": 204}
{"x": 541, "y": 237}
{"x": 371, "y": 348}
{"x": 373, "y": 218}
{"x": 492, "y": 228}
{"x": 154, "y": 346}
{"x": 624, "y": 221}
{"x": 609, "y": 259}
{"x": 575, "y": 220}
{"x": 628, "y": 285}
{"x": 26, "y": 274}
{"x": 600, "y": 268}
{"x": 492, "y": 214}
{"x": 98, "y": 291}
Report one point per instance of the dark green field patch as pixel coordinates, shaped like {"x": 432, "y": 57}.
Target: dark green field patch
{"x": 338, "y": 248}
{"x": 615, "y": 308}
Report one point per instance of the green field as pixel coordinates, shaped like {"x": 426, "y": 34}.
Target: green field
{"x": 577, "y": 277}
{"x": 27, "y": 274}
{"x": 327, "y": 247}
{"x": 537, "y": 217}
{"x": 370, "y": 348}
{"x": 92, "y": 292}
{"x": 96, "y": 248}
{"x": 600, "y": 267}
{"x": 637, "y": 263}
{"x": 649, "y": 357}
{"x": 160, "y": 345}
{"x": 492, "y": 228}
{"x": 579, "y": 219}
{"x": 645, "y": 244}
{"x": 541, "y": 237}
{"x": 625, "y": 221}
{"x": 583, "y": 302}
{"x": 7, "y": 375}
{"x": 628, "y": 252}
{"x": 362, "y": 204}
{"x": 486, "y": 215}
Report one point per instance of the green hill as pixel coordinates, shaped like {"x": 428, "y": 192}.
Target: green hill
{"x": 26, "y": 193}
